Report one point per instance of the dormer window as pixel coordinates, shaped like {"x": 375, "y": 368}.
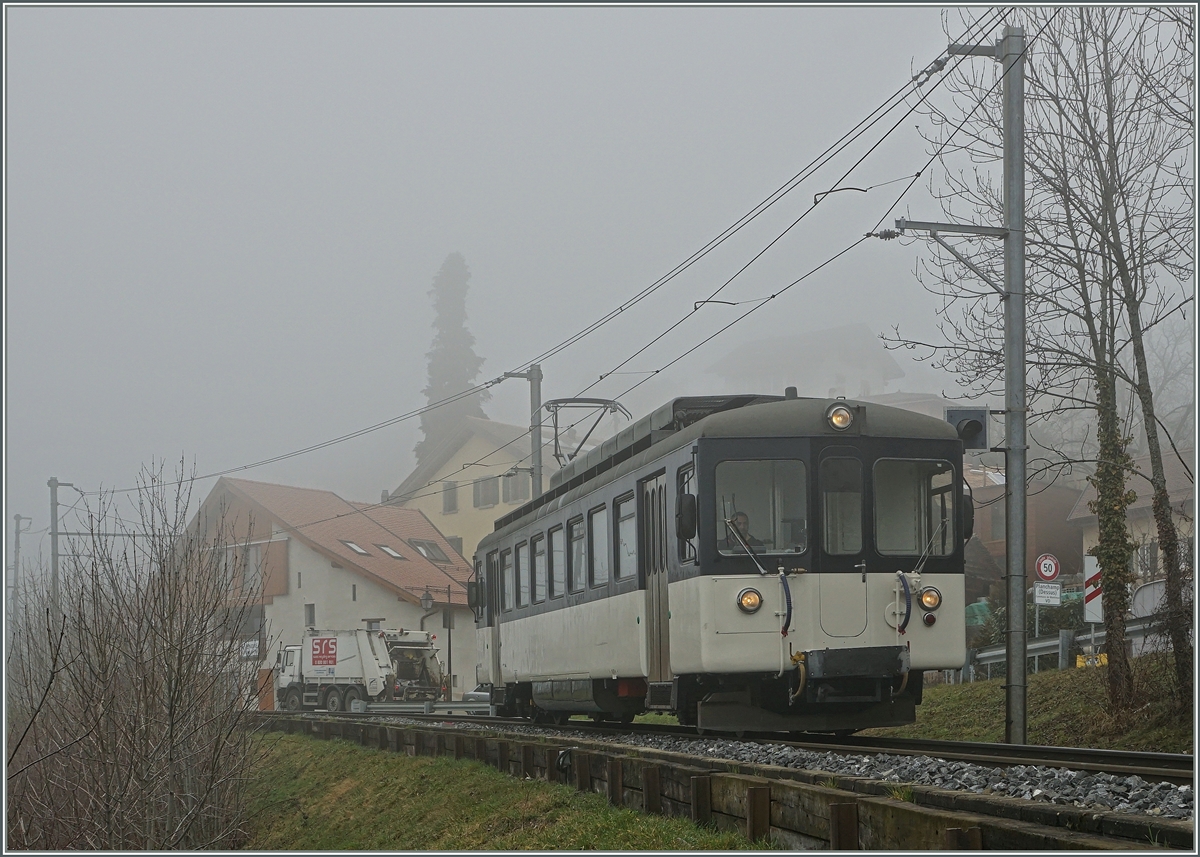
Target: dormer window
{"x": 392, "y": 552}
{"x": 358, "y": 550}
{"x": 430, "y": 550}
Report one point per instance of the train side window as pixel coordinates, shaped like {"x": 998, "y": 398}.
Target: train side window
{"x": 491, "y": 568}
{"x": 537, "y": 546}
{"x": 577, "y": 537}
{"x": 598, "y": 546}
{"x": 506, "y": 580}
{"x": 558, "y": 563}
{"x": 523, "y": 575}
{"x": 685, "y": 483}
{"x": 626, "y": 510}
{"x": 841, "y": 505}
{"x": 914, "y": 507}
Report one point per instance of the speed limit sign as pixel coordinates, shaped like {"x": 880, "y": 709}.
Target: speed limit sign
{"x": 1047, "y": 567}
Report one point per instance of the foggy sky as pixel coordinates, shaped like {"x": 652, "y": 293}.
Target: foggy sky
{"x": 222, "y": 223}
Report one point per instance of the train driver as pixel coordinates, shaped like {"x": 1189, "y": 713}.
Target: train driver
{"x": 742, "y": 521}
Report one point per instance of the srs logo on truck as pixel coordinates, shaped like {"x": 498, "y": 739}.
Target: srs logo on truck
{"x": 324, "y": 651}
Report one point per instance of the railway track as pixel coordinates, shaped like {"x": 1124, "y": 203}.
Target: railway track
{"x": 1174, "y": 768}
{"x": 801, "y": 806}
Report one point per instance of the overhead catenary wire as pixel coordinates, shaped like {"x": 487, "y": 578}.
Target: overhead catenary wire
{"x": 821, "y": 160}
{"x": 939, "y": 63}
{"x": 845, "y": 250}
{"x": 696, "y": 306}
{"x": 978, "y": 103}
{"x": 762, "y": 301}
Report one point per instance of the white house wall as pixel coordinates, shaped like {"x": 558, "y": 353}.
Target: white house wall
{"x": 312, "y": 579}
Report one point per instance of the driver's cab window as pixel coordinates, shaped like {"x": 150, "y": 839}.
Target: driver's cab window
{"x": 840, "y": 482}
{"x": 761, "y": 506}
{"x": 289, "y": 659}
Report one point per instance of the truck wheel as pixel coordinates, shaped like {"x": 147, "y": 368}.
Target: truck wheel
{"x": 291, "y": 702}
{"x": 352, "y": 694}
{"x": 333, "y": 700}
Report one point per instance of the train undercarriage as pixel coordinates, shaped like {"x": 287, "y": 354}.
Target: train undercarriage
{"x": 829, "y": 691}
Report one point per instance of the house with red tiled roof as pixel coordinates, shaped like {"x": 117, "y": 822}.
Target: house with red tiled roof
{"x": 330, "y": 563}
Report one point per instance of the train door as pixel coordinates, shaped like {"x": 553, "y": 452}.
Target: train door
{"x": 492, "y": 642}
{"x": 653, "y": 538}
{"x": 843, "y": 568}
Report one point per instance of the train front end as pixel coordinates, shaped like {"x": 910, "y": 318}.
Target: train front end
{"x": 826, "y": 569}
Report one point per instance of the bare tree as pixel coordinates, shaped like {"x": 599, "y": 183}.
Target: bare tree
{"x": 1109, "y": 211}
{"x": 129, "y": 701}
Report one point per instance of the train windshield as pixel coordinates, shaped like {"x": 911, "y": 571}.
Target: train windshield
{"x": 914, "y": 507}
{"x": 766, "y": 501}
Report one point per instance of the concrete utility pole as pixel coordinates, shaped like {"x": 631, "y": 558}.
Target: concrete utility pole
{"x": 1010, "y": 51}
{"x": 54, "y": 534}
{"x": 534, "y": 376}
{"x": 14, "y": 582}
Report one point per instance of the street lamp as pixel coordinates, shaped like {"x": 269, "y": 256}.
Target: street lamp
{"x": 426, "y": 601}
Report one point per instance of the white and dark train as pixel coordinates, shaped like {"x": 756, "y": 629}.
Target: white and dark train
{"x": 746, "y": 562}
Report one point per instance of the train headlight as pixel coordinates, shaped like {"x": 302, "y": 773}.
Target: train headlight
{"x": 749, "y": 600}
{"x": 840, "y": 417}
{"x": 931, "y": 599}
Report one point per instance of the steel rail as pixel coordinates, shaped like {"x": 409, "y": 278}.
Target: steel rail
{"x": 1174, "y": 768}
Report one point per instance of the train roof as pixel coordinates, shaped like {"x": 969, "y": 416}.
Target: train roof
{"x": 685, "y": 419}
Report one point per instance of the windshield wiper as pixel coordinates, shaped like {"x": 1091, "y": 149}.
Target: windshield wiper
{"x": 925, "y": 553}
{"x": 745, "y": 544}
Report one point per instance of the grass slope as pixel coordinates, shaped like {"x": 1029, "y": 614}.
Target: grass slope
{"x": 334, "y": 795}
{"x": 1064, "y": 708}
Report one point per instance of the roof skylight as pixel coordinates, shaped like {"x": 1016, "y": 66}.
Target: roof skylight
{"x": 429, "y": 550}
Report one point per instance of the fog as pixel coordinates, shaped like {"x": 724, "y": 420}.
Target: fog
{"x": 223, "y": 223}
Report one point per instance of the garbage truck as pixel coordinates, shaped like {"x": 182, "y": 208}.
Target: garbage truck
{"x": 331, "y": 669}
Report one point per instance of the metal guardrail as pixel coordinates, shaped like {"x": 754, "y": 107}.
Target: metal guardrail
{"x": 359, "y": 706}
{"x": 1134, "y": 629}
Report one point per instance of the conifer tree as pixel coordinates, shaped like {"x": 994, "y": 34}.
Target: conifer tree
{"x": 453, "y": 364}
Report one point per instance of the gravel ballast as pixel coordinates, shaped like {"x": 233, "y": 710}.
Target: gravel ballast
{"x": 1096, "y": 791}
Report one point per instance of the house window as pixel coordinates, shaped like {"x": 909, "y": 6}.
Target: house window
{"x": 353, "y": 591}
{"x": 1145, "y": 560}
{"x": 487, "y": 492}
{"x": 392, "y": 552}
{"x": 245, "y": 561}
{"x": 456, "y": 543}
{"x": 299, "y": 580}
{"x": 516, "y": 487}
{"x": 310, "y": 615}
{"x": 358, "y": 550}
{"x": 373, "y": 624}
{"x": 430, "y": 550}
{"x": 450, "y": 497}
